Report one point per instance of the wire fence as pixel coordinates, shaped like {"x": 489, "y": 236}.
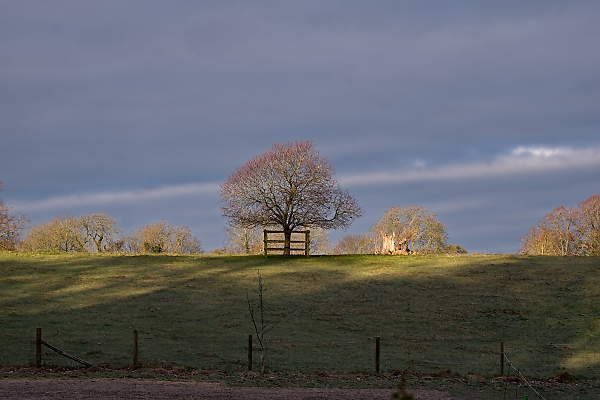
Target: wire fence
{"x": 372, "y": 355}
{"x": 520, "y": 375}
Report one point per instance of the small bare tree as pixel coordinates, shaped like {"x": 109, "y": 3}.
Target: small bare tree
{"x": 261, "y": 327}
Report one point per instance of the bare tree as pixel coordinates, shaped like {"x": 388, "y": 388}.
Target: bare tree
{"x": 554, "y": 235}
{"x": 184, "y": 242}
{"x": 11, "y": 226}
{"x": 162, "y": 237}
{"x": 319, "y": 241}
{"x": 62, "y": 234}
{"x": 261, "y": 325}
{"x": 414, "y": 230}
{"x": 566, "y": 232}
{"x": 243, "y": 240}
{"x": 90, "y": 232}
{"x": 588, "y": 226}
{"x": 354, "y": 244}
{"x": 100, "y": 231}
{"x": 290, "y": 186}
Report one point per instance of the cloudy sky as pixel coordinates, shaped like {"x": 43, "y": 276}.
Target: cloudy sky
{"x": 486, "y": 113}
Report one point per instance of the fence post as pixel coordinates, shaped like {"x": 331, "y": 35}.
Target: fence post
{"x": 377, "y": 341}
{"x": 501, "y": 358}
{"x": 307, "y": 243}
{"x": 135, "y": 348}
{"x": 249, "y": 352}
{"x": 38, "y": 348}
{"x": 265, "y": 241}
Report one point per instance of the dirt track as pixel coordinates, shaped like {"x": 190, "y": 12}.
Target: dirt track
{"x": 139, "y": 389}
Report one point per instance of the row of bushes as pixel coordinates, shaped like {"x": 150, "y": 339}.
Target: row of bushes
{"x": 99, "y": 233}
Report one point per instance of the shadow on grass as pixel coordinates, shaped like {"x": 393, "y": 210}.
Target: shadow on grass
{"x": 432, "y": 313}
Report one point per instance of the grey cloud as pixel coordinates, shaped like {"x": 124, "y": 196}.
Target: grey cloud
{"x": 522, "y": 161}
{"x": 116, "y": 97}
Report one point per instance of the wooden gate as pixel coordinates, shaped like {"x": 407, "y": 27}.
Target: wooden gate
{"x": 267, "y": 241}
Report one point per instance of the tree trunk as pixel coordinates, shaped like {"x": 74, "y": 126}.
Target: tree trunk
{"x": 287, "y": 245}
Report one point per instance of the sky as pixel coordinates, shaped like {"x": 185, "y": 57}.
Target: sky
{"x": 486, "y": 113}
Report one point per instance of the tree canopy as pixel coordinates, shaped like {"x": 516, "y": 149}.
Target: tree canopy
{"x": 290, "y": 186}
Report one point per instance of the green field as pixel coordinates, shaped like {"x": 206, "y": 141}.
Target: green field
{"x": 433, "y": 313}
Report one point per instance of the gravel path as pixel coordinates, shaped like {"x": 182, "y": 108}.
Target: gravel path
{"x": 141, "y": 389}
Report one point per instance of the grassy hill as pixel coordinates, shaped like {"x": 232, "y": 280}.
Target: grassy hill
{"x": 432, "y": 312}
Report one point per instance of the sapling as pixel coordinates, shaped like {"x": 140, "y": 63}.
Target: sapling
{"x": 261, "y": 326}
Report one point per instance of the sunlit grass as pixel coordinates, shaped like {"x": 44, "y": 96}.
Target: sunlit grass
{"x": 432, "y": 312}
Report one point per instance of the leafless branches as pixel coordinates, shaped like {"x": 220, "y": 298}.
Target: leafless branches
{"x": 291, "y": 186}
{"x": 99, "y": 233}
{"x": 162, "y": 237}
{"x": 10, "y": 226}
{"x": 566, "y": 232}
{"x": 261, "y": 327}
{"x": 414, "y": 228}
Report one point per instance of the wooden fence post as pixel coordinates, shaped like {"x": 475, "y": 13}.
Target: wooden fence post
{"x": 377, "y": 342}
{"x": 249, "y": 352}
{"x": 265, "y": 242}
{"x": 307, "y": 243}
{"x": 501, "y": 358}
{"x": 38, "y": 348}
{"x": 135, "y": 348}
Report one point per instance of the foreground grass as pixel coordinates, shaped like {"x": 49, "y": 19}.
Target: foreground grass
{"x": 432, "y": 313}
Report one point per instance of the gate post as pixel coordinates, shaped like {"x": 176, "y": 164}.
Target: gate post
{"x": 265, "y": 241}
{"x": 307, "y": 243}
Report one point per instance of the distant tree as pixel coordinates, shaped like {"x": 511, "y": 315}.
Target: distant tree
{"x": 162, "y": 237}
{"x": 184, "y": 242}
{"x": 554, "y": 235}
{"x": 11, "y": 226}
{"x": 453, "y": 249}
{"x": 566, "y": 232}
{"x": 587, "y": 224}
{"x": 415, "y": 228}
{"x": 89, "y": 232}
{"x": 243, "y": 240}
{"x": 220, "y": 252}
{"x": 290, "y": 186}
{"x": 61, "y": 234}
{"x": 319, "y": 241}
{"x": 354, "y": 244}
{"x": 100, "y": 231}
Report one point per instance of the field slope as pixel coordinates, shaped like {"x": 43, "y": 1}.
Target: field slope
{"x": 432, "y": 313}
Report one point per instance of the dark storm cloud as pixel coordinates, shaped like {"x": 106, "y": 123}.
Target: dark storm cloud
{"x": 108, "y": 104}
